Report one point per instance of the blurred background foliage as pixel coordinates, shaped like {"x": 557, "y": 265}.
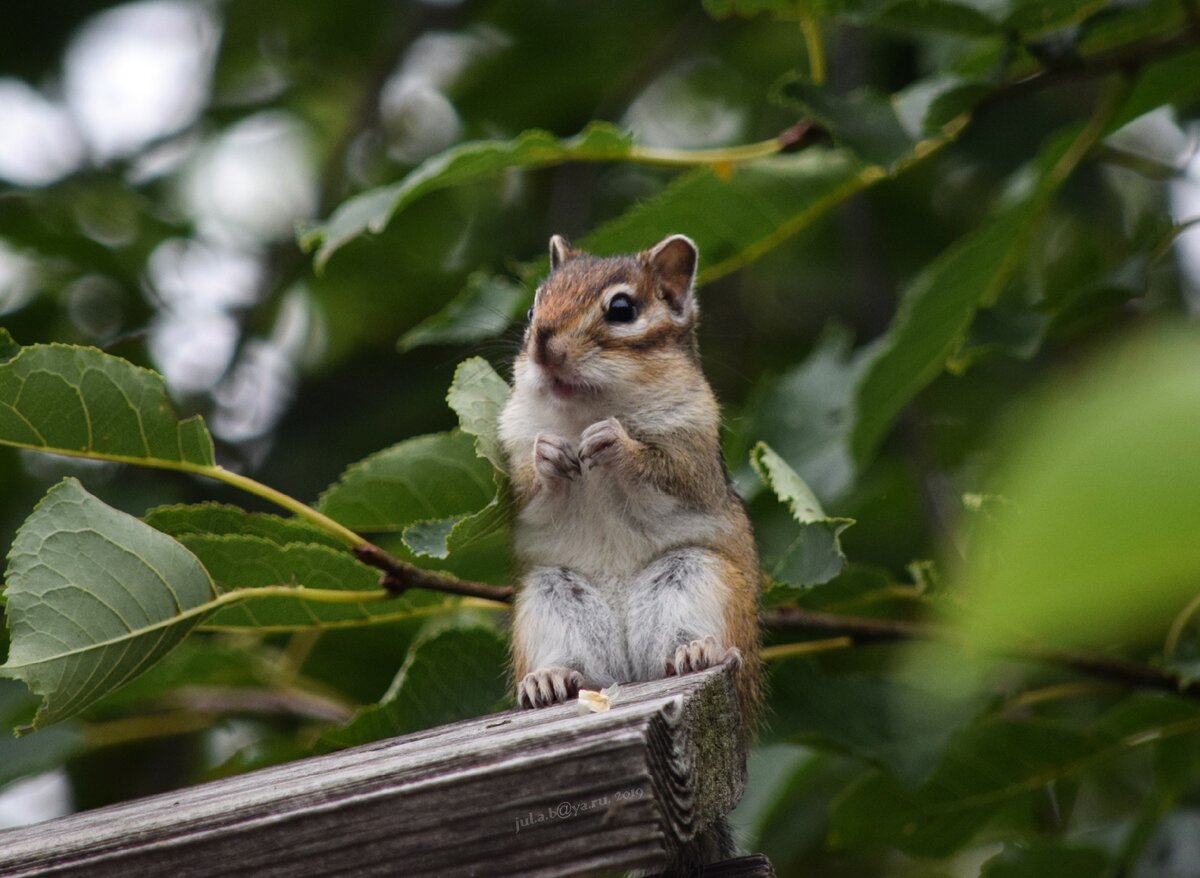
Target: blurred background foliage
{"x": 960, "y": 307}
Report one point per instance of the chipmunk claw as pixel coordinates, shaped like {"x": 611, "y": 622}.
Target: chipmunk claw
{"x": 547, "y": 686}
{"x": 554, "y": 459}
{"x": 702, "y": 654}
{"x": 602, "y": 442}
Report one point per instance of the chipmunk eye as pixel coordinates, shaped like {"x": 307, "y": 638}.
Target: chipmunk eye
{"x": 621, "y": 309}
{"x": 529, "y": 316}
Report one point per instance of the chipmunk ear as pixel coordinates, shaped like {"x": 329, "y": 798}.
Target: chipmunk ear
{"x": 673, "y": 260}
{"x": 560, "y": 251}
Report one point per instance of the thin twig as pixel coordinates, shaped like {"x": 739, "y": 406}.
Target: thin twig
{"x": 864, "y": 630}
{"x": 399, "y": 576}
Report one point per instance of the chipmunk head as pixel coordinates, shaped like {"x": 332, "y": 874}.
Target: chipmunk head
{"x": 598, "y": 323}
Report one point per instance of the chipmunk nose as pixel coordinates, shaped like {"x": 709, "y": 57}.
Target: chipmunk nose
{"x": 545, "y": 351}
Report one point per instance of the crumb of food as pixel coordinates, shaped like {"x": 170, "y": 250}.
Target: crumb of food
{"x": 591, "y": 701}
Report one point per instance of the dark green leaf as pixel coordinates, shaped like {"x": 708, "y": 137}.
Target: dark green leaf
{"x": 1045, "y": 861}
{"x": 484, "y": 308}
{"x": 427, "y": 478}
{"x": 466, "y": 163}
{"x": 220, "y": 518}
{"x": 454, "y": 674}
{"x": 94, "y": 598}
{"x": 815, "y": 556}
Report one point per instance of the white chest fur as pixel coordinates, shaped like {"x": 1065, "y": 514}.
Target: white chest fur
{"x": 603, "y": 528}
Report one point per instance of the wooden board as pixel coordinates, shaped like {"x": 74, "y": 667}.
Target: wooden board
{"x": 547, "y": 792}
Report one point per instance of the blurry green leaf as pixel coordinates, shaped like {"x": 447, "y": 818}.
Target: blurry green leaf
{"x": 8, "y": 347}
{"x": 80, "y": 401}
{"x": 880, "y": 719}
{"x": 198, "y": 661}
{"x": 454, "y": 674}
{"x": 371, "y": 211}
{"x": 484, "y": 308}
{"x": 858, "y": 590}
{"x": 1045, "y": 861}
{"x": 477, "y": 395}
{"x": 935, "y": 313}
{"x": 427, "y": 478}
{"x": 995, "y": 762}
{"x": 982, "y": 768}
{"x": 1124, "y": 23}
{"x": 815, "y": 556}
{"x": 248, "y": 562}
{"x": 1173, "y": 80}
{"x": 807, "y": 412}
{"x": 881, "y": 130}
{"x": 123, "y": 596}
{"x": 31, "y": 754}
{"x": 1103, "y": 482}
{"x": 219, "y": 518}
{"x": 734, "y": 214}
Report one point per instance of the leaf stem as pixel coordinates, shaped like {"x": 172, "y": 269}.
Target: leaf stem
{"x": 649, "y": 155}
{"x": 805, "y": 647}
{"x": 303, "y": 510}
{"x": 811, "y": 29}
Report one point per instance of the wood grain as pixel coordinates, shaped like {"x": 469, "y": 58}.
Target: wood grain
{"x": 539, "y": 793}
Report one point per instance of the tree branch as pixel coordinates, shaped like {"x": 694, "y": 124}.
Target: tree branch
{"x": 862, "y": 630}
{"x": 399, "y": 576}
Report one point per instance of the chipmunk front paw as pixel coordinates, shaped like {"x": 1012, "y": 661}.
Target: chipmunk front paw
{"x": 553, "y": 459}
{"x": 701, "y": 654}
{"x": 547, "y": 686}
{"x": 605, "y": 443}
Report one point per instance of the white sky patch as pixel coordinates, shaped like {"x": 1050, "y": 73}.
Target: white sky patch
{"x": 35, "y": 799}
{"x": 139, "y": 72}
{"x": 1184, "y": 197}
{"x": 677, "y": 109}
{"x": 40, "y": 142}
{"x": 18, "y": 278}
{"x": 419, "y": 118}
{"x": 197, "y": 284}
{"x": 254, "y": 180}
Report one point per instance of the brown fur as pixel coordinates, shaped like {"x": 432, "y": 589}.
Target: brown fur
{"x": 685, "y": 463}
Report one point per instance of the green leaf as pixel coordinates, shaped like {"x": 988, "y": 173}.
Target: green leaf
{"x": 1103, "y": 482}
{"x": 934, "y": 316}
{"x": 8, "y": 347}
{"x": 469, "y": 162}
{"x": 983, "y": 768}
{"x": 94, "y": 598}
{"x": 1045, "y": 861}
{"x": 734, "y": 214}
{"x": 806, "y": 414}
{"x": 427, "y": 478}
{"x": 220, "y": 518}
{"x": 483, "y": 308}
{"x": 815, "y": 556}
{"x": 995, "y": 762}
{"x": 82, "y": 402}
{"x": 886, "y": 131}
{"x": 477, "y": 395}
{"x": 884, "y": 720}
{"x": 249, "y": 562}
{"x": 453, "y": 674}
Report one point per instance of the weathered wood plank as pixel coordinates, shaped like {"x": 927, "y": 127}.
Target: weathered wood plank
{"x": 541, "y": 793}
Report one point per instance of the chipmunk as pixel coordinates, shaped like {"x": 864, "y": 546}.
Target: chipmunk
{"x": 635, "y": 556}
